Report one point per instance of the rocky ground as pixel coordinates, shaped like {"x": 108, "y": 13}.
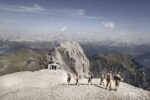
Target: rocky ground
{"x": 51, "y": 85}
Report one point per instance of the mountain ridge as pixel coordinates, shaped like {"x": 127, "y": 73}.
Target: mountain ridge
{"x": 46, "y": 84}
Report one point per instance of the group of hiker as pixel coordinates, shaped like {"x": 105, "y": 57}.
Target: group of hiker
{"x": 104, "y": 76}
{"x": 109, "y": 78}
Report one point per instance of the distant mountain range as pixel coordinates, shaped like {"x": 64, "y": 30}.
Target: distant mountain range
{"x": 85, "y": 36}
{"x": 92, "y": 48}
{"x": 144, "y": 59}
{"x": 140, "y": 52}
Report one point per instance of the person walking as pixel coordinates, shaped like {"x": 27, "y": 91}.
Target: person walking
{"x": 90, "y": 79}
{"x": 117, "y": 79}
{"x": 77, "y": 80}
{"x": 69, "y": 78}
{"x": 102, "y": 78}
{"x": 108, "y": 80}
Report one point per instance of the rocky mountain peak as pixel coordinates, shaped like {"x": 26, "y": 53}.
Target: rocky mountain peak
{"x": 71, "y": 57}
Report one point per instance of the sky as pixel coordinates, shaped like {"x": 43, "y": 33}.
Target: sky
{"x": 110, "y": 19}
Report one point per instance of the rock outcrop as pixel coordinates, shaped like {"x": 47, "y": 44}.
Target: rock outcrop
{"x": 71, "y": 57}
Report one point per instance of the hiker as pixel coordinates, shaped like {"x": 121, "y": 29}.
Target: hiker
{"x": 102, "y": 78}
{"x": 108, "y": 80}
{"x": 77, "y": 81}
{"x": 90, "y": 80}
{"x": 117, "y": 79}
{"x": 69, "y": 78}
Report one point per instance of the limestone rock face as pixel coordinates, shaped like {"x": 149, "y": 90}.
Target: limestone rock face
{"x": 71, "y": 57}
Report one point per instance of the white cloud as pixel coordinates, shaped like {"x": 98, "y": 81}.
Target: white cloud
{"x": 109, "y": 24}
{"x": 64, "y": 28}
{"x": 38, "y": 9}
{"x": 72, "y": 12}
{"x": 20, "y": 8}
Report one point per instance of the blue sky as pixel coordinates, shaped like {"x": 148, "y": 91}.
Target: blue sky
{"x": 110, "y": 18}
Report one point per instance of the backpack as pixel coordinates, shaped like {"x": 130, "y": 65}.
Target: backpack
{"x": 117, "y": 78}
{"x": 108, "y": 77}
